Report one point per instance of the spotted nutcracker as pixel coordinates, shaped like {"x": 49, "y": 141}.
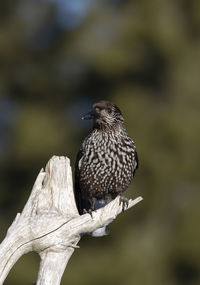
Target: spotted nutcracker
{"x": 106, "y": 161}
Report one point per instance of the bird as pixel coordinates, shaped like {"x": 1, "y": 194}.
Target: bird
{"x": 106, "y": 161}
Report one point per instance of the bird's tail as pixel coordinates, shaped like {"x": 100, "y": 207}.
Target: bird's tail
{"x": 100, "y": 232}
{"x": 103, "y": 231}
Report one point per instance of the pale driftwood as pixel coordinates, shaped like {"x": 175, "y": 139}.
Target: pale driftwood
{"x": 50, "y": 224}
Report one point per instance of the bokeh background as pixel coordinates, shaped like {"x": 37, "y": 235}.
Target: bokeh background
{"x": 57, "y": 57}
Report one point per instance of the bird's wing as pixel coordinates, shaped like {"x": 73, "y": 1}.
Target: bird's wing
{"x": 77, "y": 182}
{"x": 137, "y": 160}
{"x": 80, "y": 202}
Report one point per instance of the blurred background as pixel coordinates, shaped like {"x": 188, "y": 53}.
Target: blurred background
{"x": 58, "y": 57}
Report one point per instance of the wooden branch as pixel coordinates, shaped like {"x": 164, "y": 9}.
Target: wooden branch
{"x": 50, "y": 224}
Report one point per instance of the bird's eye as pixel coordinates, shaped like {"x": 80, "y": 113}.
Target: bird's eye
{"x": 109, "y": 111}
{"x": 97, "y": 109}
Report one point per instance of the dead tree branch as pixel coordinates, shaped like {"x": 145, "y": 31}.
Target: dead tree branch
{"x": 50, "y": 224}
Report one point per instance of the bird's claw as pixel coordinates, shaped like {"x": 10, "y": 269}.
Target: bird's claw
{"x": 88, "y": 212}
{"x": 124, "y": 202}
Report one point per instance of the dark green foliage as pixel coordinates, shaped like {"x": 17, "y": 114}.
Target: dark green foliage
{"x": 145, "y": 57}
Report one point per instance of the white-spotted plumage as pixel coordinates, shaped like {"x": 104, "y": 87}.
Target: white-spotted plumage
{"x": 107, "y": 160}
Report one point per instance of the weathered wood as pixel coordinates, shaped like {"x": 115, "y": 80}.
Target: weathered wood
{"x": 50, "y": 224}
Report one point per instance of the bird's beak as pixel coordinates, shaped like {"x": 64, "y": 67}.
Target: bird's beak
{"x": 91, "y": 115}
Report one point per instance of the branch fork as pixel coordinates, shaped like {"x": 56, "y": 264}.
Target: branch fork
{"x": 51, "y": 225}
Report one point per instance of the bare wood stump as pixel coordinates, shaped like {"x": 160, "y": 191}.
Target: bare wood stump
{"x": 51, "y": 225}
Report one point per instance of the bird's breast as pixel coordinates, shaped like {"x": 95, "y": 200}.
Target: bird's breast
{"x": 107, "y": 165}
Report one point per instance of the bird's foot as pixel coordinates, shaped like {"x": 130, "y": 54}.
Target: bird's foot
{"x": 124, "y": 202}
{"x": 88, "y": 212}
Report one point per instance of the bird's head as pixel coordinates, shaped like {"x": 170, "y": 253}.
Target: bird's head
{"x": 104, "y": 114}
